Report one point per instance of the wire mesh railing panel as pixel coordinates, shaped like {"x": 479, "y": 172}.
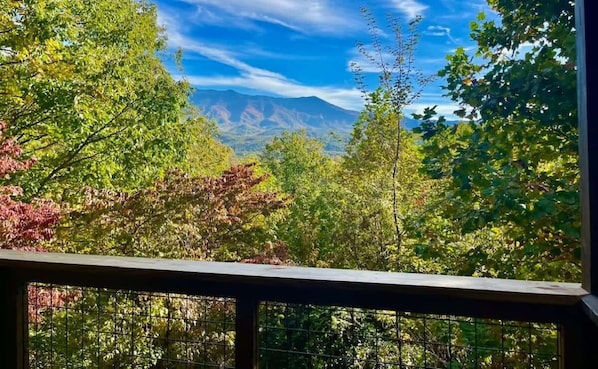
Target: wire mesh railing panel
{"x": 74, "y": 327}
{"x": 308, "y": 336}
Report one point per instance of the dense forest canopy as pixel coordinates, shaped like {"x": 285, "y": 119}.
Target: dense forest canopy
{"x": 102, "y": 153}
{"x": 85, "y": 92}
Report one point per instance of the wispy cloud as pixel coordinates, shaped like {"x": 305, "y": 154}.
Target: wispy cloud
{"x": 205, "y": 16}
{"x": 218, "y": 54}
{"x": 444, "y": 106}
{"x": 245, "y": 71}
{"x": 251, "y": 77}
{"x": 305, "y": 16}
{"x": 520, "y": 51}
{"x": 410, "y": 8}
{"x": 254, "y": 50}
{"x": 180, "y": 37}
{"x": 443, "y": 109}
{"x": 440, "y": 31}
{"x": 530, "y": 48}
{"x": 348, "y": 98}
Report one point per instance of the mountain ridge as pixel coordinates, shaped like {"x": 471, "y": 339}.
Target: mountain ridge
{"x": 248, "y": 122}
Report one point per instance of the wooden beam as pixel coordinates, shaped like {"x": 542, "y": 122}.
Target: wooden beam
{"x": 483, "y": 297}
{"x": 588, "y": 142}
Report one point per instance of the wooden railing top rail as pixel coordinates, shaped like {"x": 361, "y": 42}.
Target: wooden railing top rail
{"x": 485, "y": 297}
{"x": 590, "y": 306}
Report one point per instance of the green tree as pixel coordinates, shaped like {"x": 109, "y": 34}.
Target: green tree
{"x": 382, "y": 204}
{"x": 381, "y": 159}
{"x": 83, "y": 88}
{"x": 206, "y": 155}
{"x": 513, "y": 166}
{"x": 301, "y": 169}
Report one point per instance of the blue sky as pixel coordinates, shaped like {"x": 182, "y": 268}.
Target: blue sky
{"x": 294, "y": 48}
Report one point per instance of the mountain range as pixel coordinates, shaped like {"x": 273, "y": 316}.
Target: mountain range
{"x": 247, "y": 122}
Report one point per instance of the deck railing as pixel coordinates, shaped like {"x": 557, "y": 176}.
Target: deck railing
{"x": 69, "y": 311}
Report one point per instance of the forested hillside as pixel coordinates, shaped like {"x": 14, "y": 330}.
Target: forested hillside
{"x": 102, "y": 152}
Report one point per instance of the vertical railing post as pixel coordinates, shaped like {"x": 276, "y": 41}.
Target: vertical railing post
{"x": 578, "y": 341}
{"x": 13, "y": 321}
{"x": 571, "y": 346}
{"x": 246, "y": 335}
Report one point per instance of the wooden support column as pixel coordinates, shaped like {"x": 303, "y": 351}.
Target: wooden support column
{"x": 13, "y": 321}
{"x": 588, "y": 142}
{"x": 582, "y": 332}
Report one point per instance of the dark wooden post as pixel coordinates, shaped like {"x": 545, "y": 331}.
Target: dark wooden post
{"x": 13, "y": 321}
{"x": 573, "y": 341}
{"x": 246, "y": 336}
{"x": 588, "y": 143}
{"x": 585, "y": 329}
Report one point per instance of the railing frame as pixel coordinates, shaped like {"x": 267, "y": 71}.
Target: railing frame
{"x": 249, "y": 284}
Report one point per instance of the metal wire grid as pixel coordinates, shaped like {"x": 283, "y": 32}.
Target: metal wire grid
{"x": 73, "y": 327}
{"x": 306, "y": 336}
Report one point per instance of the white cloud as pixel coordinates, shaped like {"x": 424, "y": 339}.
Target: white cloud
{"x": 255, "y": 50}
{"x": 259, "y": 79}
{"x": 530, "y": 47}
{"x": 252, "y": 77}
{"x": 411, "y": 8}
{"x": 306, "y": 16}
{"x": 440, "y": 31}
{"x": 442, "y": 108}
{"x": 218, "y": 54}
{"x": 348, "y": 98}
{"x": 177, "y": 39}
{"x": 204, "y": 16}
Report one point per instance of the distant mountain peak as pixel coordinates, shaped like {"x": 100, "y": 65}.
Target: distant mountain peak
{"x": 248, "y": 121}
